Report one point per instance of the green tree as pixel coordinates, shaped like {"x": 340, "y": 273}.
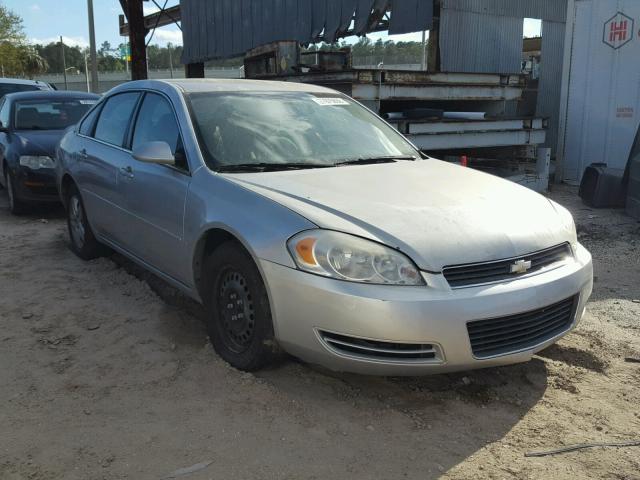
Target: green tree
{"x": 109, "y": 59}
{"x": 32, "y": 63}
{"x": 11, "y": 30}
{"x": 52, "y": 53}
{"x": 11, "y": 37}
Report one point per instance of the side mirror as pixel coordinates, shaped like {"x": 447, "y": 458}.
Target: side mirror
{"x": 3, "y": 128}
{"x": 154, "y": 152}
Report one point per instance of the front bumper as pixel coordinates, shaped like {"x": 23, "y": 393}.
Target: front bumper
{"x": 36, "y": 186}
{"x": 303, "y": 304}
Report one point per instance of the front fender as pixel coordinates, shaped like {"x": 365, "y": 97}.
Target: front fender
{"x": 261, "y": 225}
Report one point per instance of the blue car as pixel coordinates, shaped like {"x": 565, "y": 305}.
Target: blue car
{"x": 31, "y": 125}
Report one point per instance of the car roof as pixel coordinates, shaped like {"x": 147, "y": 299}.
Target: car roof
{"x": 22, "y": 81}
{"x": 197, "y": 85}
{"x": 50, "y": 95}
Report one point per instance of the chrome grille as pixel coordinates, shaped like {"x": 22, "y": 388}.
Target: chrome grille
{"x": 466, "y": 275}
{"x": 499, "y": 336}
{"x": 380, "y": 350}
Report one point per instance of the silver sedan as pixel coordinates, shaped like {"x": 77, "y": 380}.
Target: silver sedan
{"x": 306, "y": 224}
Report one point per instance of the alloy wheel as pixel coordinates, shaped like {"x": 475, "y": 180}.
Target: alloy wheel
{"x": 76, "y": 221}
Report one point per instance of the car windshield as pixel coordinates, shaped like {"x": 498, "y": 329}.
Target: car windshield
{"x": 50, "y": 114}
{"x": 291, "y": 128}
{"x": 6, "y": 88}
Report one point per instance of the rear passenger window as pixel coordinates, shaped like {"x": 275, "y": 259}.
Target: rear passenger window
{"x": 4, "y": 113}
{"x": 114, "y": 118}
{"x": 156, "y": 122}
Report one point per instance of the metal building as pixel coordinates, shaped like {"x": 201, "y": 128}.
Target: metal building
{"x": 601, "y": 86}
{"x": 485, "y": 36}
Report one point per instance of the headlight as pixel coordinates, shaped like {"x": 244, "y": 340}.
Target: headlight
{"x": 346, "y": 257}
{"x": 36, "y": 162}
{"x": 568, "y": 223}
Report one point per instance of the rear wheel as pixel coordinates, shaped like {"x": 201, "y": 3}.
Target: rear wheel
{"x": 82, "y": 241}
{"x": 238, "y": 313}
{"x": 16, "y": 206}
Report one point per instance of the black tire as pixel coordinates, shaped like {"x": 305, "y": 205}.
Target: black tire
{"x": 16, "y": 206}
{"x": 81, "y": 239}
{"x": 237, "y": 309}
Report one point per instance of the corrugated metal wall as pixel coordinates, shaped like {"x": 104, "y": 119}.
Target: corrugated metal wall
{"x": 549, "y": 86}
{"x": 480, "y": 43}
{"x": 485, "y": 36}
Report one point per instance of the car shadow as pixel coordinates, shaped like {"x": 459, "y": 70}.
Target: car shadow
{"x": 449, "y": 417}
{"x": 37, "y": 211}
{"x": 440, "y": 419}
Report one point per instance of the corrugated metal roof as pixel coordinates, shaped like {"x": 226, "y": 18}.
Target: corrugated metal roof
{"x": 553, "y": 10}
{"x": 225, "y": 28}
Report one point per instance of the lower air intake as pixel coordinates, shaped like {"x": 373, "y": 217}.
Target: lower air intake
{"x": 499, "y": 336}
{"x": 380, "y": 350}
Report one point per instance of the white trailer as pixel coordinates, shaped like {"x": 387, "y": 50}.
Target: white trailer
{"x": 600, "y": 105}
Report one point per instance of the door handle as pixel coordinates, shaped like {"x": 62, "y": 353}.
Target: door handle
{"x": 127, "y": 171}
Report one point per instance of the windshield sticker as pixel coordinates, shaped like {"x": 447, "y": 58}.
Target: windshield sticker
{"x": 324, "y": 101}
{"x": 88, "y": 102}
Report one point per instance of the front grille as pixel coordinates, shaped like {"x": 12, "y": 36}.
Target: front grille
{"x": 498, "y": 336}
{"x": 478, "y": 273}
{"x": 379, "y": 350}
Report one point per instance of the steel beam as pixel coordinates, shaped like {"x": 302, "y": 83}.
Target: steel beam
{"x": 137, "y": 34}
{"x": 158, "y": 19}
{"x": 450, "y": 141}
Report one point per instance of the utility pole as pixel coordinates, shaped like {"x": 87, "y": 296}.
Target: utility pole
{"x": 86, "y": 72}
{"x": 92, "y": 48}
{"x": 64, "y": 64}
{"x": 423, "y": 57}
{"x": 169, "y": 47}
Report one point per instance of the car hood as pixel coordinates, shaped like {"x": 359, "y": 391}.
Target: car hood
{"x": 437, "y": 213}
{"x": 39, "y": 142}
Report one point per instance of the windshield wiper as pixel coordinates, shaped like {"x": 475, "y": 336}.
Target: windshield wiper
{"x": 269, "y": 167}
{"x": 372, "y": 160}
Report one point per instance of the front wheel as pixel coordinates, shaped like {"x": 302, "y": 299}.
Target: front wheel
{"x": 82, "y": 241}
{"x": 237, "y": 307}
{"x": 16, "y": 206}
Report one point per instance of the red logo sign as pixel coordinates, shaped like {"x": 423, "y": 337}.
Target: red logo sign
{"x": 618, "y": 30}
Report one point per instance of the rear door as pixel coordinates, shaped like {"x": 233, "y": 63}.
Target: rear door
{"x": 156, "y": 194}
{"x": 104, "y": 160}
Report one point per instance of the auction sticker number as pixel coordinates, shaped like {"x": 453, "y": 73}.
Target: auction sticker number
{"x": 330, "y": 101}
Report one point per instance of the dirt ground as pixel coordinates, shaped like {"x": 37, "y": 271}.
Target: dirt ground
{"x": 106, "y": 373}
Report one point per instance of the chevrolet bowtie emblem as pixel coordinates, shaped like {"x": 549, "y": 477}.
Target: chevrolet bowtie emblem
{"x": 520, "y": 266}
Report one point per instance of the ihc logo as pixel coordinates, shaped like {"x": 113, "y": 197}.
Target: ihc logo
{"x": 618, "y": 30}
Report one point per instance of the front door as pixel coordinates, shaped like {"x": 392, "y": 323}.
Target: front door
{"x": 156, "y": 194}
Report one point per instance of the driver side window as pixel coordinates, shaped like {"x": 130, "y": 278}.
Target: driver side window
{"x": 157, "y": 122}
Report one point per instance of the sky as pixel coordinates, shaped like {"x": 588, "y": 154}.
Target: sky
{"x": 46, "y": 20}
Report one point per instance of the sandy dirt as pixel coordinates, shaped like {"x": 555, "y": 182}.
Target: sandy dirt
{"x": 106, "y": 373}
